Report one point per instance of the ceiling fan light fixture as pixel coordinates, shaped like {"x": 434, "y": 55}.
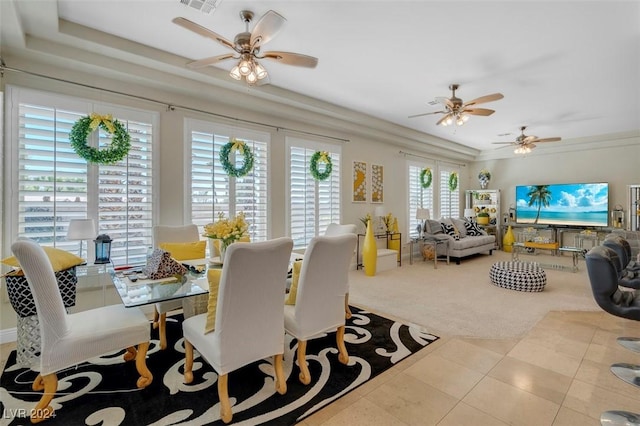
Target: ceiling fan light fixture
{"x": 235, "y": 73}
{"x": 260, "y": 71}
{"x": 245, "y": 67}
{"x": 460, "y": 121}
{"x": 252, "y": 78}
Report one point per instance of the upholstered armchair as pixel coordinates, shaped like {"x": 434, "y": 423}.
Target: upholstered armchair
{"x": 248, "y": 323}
{"x": 320, "y": 296}
{"x": 170, "y": 234}
{"x": 69, "y": 339}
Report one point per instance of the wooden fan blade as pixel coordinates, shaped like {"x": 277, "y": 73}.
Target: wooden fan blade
{"x": 204, "y": 32}
{"x": 504, "y": 143}
{"x": 442, "y": 119}
{"x": 478, "y": 111}
{"x": 483, "y": 99}
{"x": 427, "y": 113}
{"x": 266, "y": 28}
{"x": 289, "y": 58}
{"x": 210, "y": 61}
{"x": 548, "y": 140}
{"x": 529, "y": 139}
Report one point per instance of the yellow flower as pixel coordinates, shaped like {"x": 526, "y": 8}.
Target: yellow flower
{"x": 227, "y": 230}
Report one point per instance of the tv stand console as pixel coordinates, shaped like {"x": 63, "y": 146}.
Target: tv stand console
{"x": 565, "y": 236}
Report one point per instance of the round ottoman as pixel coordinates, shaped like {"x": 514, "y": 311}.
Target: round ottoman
{"x": 520, "y": 276}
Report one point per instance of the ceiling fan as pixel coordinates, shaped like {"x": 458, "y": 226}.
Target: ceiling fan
{"x": 459, "y": 111}
{"x": 246, "y": 46}
{"x": 524, "y": 144}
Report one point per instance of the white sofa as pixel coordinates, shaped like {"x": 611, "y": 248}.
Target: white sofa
{"x": 470, "y": 239}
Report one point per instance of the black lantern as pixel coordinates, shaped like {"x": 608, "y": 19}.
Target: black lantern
{"x": 103, "y": 249}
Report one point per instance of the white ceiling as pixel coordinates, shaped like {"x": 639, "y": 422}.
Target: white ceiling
{"x": 566, "y": 68}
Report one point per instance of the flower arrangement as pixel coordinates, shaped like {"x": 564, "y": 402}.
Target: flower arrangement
{"x": 484, "y": 174}
{"x": 388, "y": 222}
{"x": 227, "y": 230}
{"x": 365, "y": 220}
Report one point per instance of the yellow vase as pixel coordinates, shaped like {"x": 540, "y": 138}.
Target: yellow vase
{"x": 369, "y": 251}
{"x": 393, "y": 243}
{"x": 508, "y": 240}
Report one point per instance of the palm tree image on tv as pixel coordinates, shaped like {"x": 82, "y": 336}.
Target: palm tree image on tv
{"x": 565, "y": 204}
{"x": 540, "y": 196}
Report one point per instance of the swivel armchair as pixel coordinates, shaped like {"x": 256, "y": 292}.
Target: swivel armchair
{"x": 602, "y": 267}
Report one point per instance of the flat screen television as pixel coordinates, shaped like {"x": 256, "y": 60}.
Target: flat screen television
{"x": 566, "y": 204}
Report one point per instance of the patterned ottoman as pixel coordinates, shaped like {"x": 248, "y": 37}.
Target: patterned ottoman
{"x": 520, "y": 276}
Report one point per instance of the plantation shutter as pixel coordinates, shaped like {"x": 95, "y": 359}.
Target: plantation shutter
{"x": 419, "y": 197}
{"x": 313, "y": 204}
{"x": 213, "y": 191}
{"x": 449, "y": 200}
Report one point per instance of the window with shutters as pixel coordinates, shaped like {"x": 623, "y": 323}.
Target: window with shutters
{"x": 213, "y": 191}
{"x": 419, "y": 197}
{"x": 449, "y": 200}
{"x": 51, "y": 184}
{"x": 313, "y": 204}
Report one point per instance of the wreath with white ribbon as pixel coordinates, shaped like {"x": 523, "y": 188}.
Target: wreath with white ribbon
{"x": 117, "y": 150}
{"x": 242, "y": 148}
{"x": 425, "y": 178}
{"x": 320, "y": 157}
{"x": 453, "y": 181}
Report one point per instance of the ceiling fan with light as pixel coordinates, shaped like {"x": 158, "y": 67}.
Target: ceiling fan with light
{"x": 458, "y": 111}
{"x": 246, "y": 46}
{"x": 524, "y": 144}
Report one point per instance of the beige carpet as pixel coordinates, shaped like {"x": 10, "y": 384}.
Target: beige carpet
{"x": 459, "y": 300}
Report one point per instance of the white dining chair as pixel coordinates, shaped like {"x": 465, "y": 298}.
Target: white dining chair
{"x": 69, "y": 339}
{"x": 170, "y": 234}
{"x": 319, "y": 304}
{"x": 334, "y": 229}
{"x": 249, "y": 321}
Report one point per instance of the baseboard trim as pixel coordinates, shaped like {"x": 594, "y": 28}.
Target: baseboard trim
{"x": 8, "y": 335}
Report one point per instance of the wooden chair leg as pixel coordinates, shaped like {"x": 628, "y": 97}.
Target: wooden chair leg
{"x": 162, "y": 331}
{"x": 141, "y": 365}
{"x": 130, "y": 354}
{"x": 281, "y": 381}
{"x": 188, "y": 362}
{"x": 347, "y": 310}
{"x": 223, "y": 395}
{"x": 343, "y": 355}
{"x": 305, "y": 376}
{"x": 43, "y": 410}
{"x": 156, "y": 317}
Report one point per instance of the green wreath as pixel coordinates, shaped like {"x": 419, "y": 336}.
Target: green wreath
{"x": 320, "y": 156}
{"x": 230, "y": 169}
{"x": 426, "y": 173}
{"x": 120, "y": 143}
{"x": 453, "y": 181}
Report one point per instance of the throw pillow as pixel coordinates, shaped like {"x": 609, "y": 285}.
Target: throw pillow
{"x": 473, "y": 229}
{"x": 186, "y": 251}
{"x": 460, "y": 227}
{"x": 60, "y": 259}
{"x": 213, "y": 276}
{"x": 295, "y": 276}
{"x": 449, "y": 229}
{"x": 432, "y": 227}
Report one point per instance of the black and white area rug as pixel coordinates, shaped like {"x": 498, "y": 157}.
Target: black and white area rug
{"x": 103, "y": 391}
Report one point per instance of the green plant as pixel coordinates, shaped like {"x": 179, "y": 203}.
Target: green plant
{"x": 483, "y": 214}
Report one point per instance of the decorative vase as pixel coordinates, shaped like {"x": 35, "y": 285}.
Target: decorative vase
{"x": 484, "y": 182}
{"x": 508, "y": 240}
{"x": 223, "y": 250}
{"x": 394, "y": 244}
{"x": 369, "y": 252}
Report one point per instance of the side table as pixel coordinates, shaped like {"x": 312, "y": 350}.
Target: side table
{"x": 434, "y": 243}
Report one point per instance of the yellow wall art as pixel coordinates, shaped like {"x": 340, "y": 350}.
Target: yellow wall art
{"x": 377, "y": 183}
{"x": 359, "y": 182}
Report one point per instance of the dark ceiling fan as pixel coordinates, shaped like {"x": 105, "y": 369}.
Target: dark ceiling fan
{"x": 458, "y": 111}
{"x": 246, "y": 47}
{"x": 524, "y": 144}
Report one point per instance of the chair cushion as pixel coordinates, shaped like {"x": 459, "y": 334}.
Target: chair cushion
{"x": 185, "y": 251}
{"x": 295, "y": 275}
{"x": 60, "y": 259}
{"x": 213, "y": 276}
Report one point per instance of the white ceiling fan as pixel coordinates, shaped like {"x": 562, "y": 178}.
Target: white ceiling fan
{"x": 524, "y": 144}
{"x": 246, "y": 47}
{"x": 458, "y": 111}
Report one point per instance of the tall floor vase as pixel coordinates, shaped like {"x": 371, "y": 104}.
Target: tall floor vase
{"x": 369, "y": 251}
{"x": 508, "y": 240}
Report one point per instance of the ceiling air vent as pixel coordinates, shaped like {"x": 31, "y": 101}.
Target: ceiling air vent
{"x": 204, "y": 6}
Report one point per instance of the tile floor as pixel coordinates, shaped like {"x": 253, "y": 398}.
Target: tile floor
{"x": 557, "y": 374}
